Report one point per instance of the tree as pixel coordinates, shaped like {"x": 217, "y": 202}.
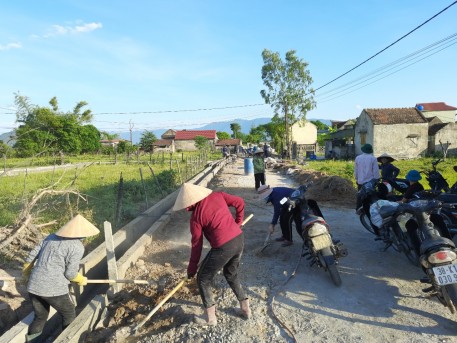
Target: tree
{"x": 48, "y": 130}
{"x": 320, "y": 125}
{"x": 201, "y": 142}
{"x": 236, "y": 128}
{"x": 223, "y": 135}
{"x": 109, "y": 136}
{"x": 288, "y": 90}
{"x": 146, "y": 140}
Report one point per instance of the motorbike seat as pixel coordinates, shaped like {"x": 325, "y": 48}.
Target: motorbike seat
{"x": 434, "y": 242}
{"x": 310, "y": 219}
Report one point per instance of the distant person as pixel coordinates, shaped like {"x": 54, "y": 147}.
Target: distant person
{"x": 211, "y": 218}
{"x": 225, "y": 151}
{"x": 274, "y": 196}
{"x": 266, "y": 150}
{"x": 259, "y": 169}
{"x": 50, "y": 267}
{"x": 366, "y": 166}
{"x": 389, "y": 172}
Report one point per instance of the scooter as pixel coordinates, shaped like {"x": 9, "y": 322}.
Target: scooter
{"x": 440, "y": 190}
{"x": 318, "y": 244}
{"x": 438, "y": 255}
{"x": 386, "y": 219}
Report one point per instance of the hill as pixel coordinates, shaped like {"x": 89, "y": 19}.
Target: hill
{"x": 223, "y": 126}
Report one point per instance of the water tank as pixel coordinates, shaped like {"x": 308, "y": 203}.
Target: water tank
{"x": 248, "y": 166}
{"x": 420, "y": 107}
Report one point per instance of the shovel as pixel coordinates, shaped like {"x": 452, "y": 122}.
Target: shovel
{"x": 174, "y": 290}
{"x": 265, "y": 244}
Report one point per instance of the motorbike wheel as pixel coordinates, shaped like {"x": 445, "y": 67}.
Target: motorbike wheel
{"x": 332, "y": 269}
{"x": 366, "y": 223}
{"x": 450, "y": 296}
{"x": 405, "y": 245}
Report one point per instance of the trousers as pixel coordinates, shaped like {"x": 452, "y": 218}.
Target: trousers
{"x": 41, "y": 306}
{"x": 227, "y": 257}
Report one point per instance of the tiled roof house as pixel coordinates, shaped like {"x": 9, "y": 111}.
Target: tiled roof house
{"x": 185, "y": 139}
{"x": 400, "y": 132}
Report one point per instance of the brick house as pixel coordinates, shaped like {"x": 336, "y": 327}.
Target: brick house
{"x": 185, "y": 139}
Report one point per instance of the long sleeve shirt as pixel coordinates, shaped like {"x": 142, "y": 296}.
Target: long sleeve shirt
{"x": 211, "y": 218}
{"x": 366, "y": 168}
{"x": 275, "y": 197}
{"x": 57, "y": 263}
{"x": 259, "y": 164}
{"x": 389, "y": 171}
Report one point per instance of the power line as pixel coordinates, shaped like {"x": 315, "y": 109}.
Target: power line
{"x": 446, "y": 42}
{"x": 396, "y": 71}
{"x": 186, "y": 110}
{"x": 387, "y": 47}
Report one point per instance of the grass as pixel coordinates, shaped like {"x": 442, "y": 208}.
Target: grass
{"x": 345, "y": 169}
{"x": 99, "y": 185}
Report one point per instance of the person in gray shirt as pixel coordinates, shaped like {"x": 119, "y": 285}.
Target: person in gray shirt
{"x": 52, "y": 265}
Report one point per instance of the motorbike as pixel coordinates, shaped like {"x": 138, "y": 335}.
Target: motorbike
{"x": 318, "y": 245}
{"x": 441, "y": 191}
{"x": 438, "y": 254}
{"x": 386, "y": 219}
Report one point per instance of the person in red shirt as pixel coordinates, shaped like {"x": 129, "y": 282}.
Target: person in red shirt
{"x": 211, "y": 218}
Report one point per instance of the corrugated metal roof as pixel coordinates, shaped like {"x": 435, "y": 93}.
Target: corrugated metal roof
{"x": 191, "y": 134}
{"x": 408, "y": 115}
{"x": 436, "y": 106}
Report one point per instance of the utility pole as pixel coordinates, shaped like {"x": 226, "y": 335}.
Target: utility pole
{"x": 130, "y": 129}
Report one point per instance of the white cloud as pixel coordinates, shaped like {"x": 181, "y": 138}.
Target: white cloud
{"x": 59, "y": 30}
{"x": 10, "y": 46}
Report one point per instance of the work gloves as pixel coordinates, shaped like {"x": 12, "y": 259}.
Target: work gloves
{"x": 190, "y": 275}
{"x": 79, "y": 279}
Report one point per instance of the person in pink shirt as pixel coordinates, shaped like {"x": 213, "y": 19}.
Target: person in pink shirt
{"x": 211, "y": 218}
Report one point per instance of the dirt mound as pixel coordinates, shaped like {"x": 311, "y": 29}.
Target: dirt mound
{"x": 326, "y": 189}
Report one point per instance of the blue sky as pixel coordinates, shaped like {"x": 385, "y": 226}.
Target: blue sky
{"x": 170, "y": 58}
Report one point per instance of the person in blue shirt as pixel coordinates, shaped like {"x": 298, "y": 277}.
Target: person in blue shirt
{"x": 274, "y": 195}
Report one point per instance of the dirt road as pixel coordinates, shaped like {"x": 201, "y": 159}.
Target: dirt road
{"x": 380, "y": 299}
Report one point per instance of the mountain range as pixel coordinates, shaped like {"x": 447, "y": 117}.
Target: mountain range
{"x": 221, "y": 126}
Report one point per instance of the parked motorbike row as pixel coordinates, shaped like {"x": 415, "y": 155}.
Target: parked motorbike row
{"x": 422, "y": 229}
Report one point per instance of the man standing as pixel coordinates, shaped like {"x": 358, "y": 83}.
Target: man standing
{"x": 55, "y": 262}
{"x": 366, "y": 166}
{"x": 211, "y": 218}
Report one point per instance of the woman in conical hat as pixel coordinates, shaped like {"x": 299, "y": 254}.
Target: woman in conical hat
{"x": 211, "y": 218}
{"x": 55, "y": 264}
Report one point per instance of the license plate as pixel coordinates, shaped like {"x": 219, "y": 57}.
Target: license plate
{"x": 446, "y": 275}
{"x": 322, "y": 241}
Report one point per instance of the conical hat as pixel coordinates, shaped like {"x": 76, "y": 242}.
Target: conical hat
{"x": 386, "y": 156}
{"x": 78, "y": 227}
{"x": 190, "y": 194}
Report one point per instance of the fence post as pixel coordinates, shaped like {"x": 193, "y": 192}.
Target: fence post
{"x": 144, "y": 188}
{"x": 120, "y": 194}
{"x": 155, "y": 178}
{"x": 179, "y": 171}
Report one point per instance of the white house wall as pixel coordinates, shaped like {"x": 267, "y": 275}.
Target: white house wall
{"x": 444, "y": 116}
{"x": 363, "y": 126}
{"x": 393, "y": 139}
{"x": 305, "y": 134}
{"x": 447, "y": 134}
